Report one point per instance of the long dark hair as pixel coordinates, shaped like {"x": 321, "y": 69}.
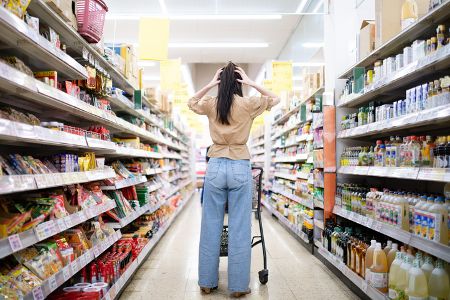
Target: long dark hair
{"x": 228, "y": 87}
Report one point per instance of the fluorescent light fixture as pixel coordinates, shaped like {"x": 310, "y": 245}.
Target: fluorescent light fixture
{"x": 317, "y": 7}
{"x": 146, "y": 63}
{"x": 151, "y": 78}
{"x": 218, "y": 45}
{"x": 163, "y": 6}
{"x": 312, "y": 45}
{"x": 301, "y": 6}
{"x": 195, "y": 17}
{"x": 308, "y": 64}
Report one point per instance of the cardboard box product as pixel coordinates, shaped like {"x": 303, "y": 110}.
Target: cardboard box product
{"x": 366, "y": 38}
{"x": 387, "y": 20}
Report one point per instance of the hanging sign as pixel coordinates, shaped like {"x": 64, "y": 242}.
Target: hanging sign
{"x": 153, "y": 38}
{"x": 170, "y": 71}
{"x": 281, "y": 76}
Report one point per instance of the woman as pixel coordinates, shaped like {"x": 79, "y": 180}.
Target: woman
{"x": 228, "y": 176}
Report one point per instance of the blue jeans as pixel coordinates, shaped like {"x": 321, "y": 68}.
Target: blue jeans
{"x": 232, "y": 180}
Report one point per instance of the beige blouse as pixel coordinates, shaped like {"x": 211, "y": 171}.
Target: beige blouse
{"x": 230, "y": 140}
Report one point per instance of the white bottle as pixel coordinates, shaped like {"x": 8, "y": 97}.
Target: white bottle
{"x": 426, "y": 217}
{"x": 403, "y": 277}
{"x": 438, "y": 222}
{"x": 439, "y": 283}
{"x": 417, "y": 283}
{"x": 418, "y": 214}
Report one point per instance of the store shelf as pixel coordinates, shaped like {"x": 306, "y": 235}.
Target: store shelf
{"x": 286, "y": 130}
{"x": 371, "y": 292}
{"x": 171, "y": 156}
{"x": 257, "y": 152}
{"x": 426, "y": 174}
{"x": 121, "y": 283}
{"x": 433, "y": 248}
{"x": 173, "y": 178}
{"x": 120, "y": 184}
{"x": 292, "y": 227}
{"x": 75, "y": 43}
{"x": 131, "y": 152}
{"x": 37, "y": 50}
{"x": 402, "y": 79}
{"x": 152, "y": 171}
{"x": 47, "y": 229}
{"x": 305, "y": 202}
{"x": 318, "y": 204}
{"x": 179, "y": 187}
{"x": 58, "y": 279}
{"x": 433, "y": 117}
{"x": 286, "y": 176}
{"x": 294, "y": 110}
{"x": 20, "y": 183}
{"x": 292, "y": 159}
{"x": 260, "y": 143}
{"x": 131, "y": 217}
{"x": 154, "y": 187}
{"x": 318, "y": 224}
{"x": 426, "y": 25}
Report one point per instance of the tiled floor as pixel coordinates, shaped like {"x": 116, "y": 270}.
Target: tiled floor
{"x": 171, "y": 269}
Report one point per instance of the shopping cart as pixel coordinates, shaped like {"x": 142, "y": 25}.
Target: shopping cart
{"x": 257, "y": 173}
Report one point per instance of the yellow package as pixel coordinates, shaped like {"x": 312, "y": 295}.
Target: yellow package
{"x": 18, "y": 7}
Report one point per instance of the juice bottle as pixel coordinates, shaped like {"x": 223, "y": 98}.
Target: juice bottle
{"x": 447, "y": 203}
{"x": 394, "y": 273}
{"x": 377, "y": 153}
{"x": 415, "y": 150}
{"x": 409, "y": 13}
{"x": 426, "y": 217}
{"x": 427, "y": 152}
{"x": 427, "y": 267}
{"x": 417, "y": 283}
{"x": 418, "y": 214}
{"x": 438, "y": 222}
{"x": 439, "y": 283}
{"x": 404, "y": 153}
{"x": 358, "y": 256}
{"x": 392, "y": 254}
{"x": 403, "y": 276}
{"x": 363, "y": 260}
{"x": 387, "y": 158}
{"x": 353, "y": 255}
{"x": 379, "y": 270}
{"x": 369, "y": 259}
{"x": 388, "y": 247}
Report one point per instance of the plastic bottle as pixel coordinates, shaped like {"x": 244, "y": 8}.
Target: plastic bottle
{"x": 409, "y": 14}
{"x": 447, "y": 203}
{"x": 379, "y": 270}
{"x": 369, "y": 259}
{"x": 428, "y": 267}
{"x": 417, "y": 283}
{"x": 438, "y": 283}
{"x": 392, "y": 254}
{"x": 418, "y": 215}
{"x": 394, "y": 275}
{"x": 416, "y": 153}
{"x": 403, "y": 276}
{"x": 426, "y": 217}
{"x": 387, "y": 158}
{"x": 388, "y": 247}
{"x": 438, "y": 222}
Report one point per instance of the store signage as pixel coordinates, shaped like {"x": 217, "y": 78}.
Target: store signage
{"x": 281, "y": 76}
{"x": 170, "y": 71}
{"x": 153, "y": 38}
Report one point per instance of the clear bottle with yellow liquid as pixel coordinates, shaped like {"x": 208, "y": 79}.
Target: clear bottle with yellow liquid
{"x": 438, "y": 283}
{"x": 417, "y": 283}
{"x": 369, "y": 259}
{"x": 394, "y": 273}
{"x": 358, "y": 252}
{"x": 428, "y": 266}
{"x": 388, "y": 247}
{"x": 403, "y": 276}
{"x": 437, "y": 224}
{"x": 379, "y": 270}
{"x": 392, "y": 254}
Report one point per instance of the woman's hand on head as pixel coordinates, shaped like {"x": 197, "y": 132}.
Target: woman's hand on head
{"x": 216, "y": 79}
{"x": 245, "y": 79}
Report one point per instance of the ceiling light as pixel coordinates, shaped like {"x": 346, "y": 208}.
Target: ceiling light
{"x": 146, "y": 63}
{"x": 318, "y": 6}
{"x": 218, "y": 45}
{"x": 195, "y": 17}
{"x": 312, "y": 45}
{"x": 301, "y": 6}
{"x": 151, "y": 78}
{"x": 308, "y": 64}
{"x": 297, "y": 78}
{"x": 163, "y": 6}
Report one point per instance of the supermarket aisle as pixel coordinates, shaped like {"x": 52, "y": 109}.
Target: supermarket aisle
{"x": 171, "y": 270}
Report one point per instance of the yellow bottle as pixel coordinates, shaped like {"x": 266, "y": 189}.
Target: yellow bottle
{"x": 369, "y": 259}
{"x": 417, "y": 283}
{"x": 392, "y": 254}
{"x": 439, "y": 283}
{"x": 358, "y": 263}
{"x": 387, "y": 248}
{"x": 409, "y": 13}
{"x": 403, "y": 276}
{"x": 427, "y": 267}
{"x": 379, "y": 270}
{"x": 394, "y": 273}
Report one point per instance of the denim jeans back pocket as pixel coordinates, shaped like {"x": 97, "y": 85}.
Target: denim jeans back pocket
{"x": 241, "y": 170}
{"x": 212, "y": 170}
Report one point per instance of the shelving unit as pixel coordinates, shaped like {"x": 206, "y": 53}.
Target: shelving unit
{"x": 167, "y": 143}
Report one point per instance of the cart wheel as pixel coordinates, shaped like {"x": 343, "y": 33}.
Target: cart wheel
{"x": 263, "y": 276}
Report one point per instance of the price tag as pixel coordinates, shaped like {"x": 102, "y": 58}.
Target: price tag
{"x": 61, "y": 224}
{"x": 15, "y": 242}
{"x": 378, "y": 226}
{"x": 74, "y": 267}
{"x": 82, "y": 260}
{"x": 96, "y": 251}
{"x": 82, "y": 217}
{"x": 107, "y": 296}
{"x": 37, "y": 293}
{"x": 66, "y": 273}
{"x": 68, "y": 221}
{"x": 52, "y": 283}
{"x": 369, "y": 223}
{"x": 351, "y": 216}
{"x": 43, "y": 230}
